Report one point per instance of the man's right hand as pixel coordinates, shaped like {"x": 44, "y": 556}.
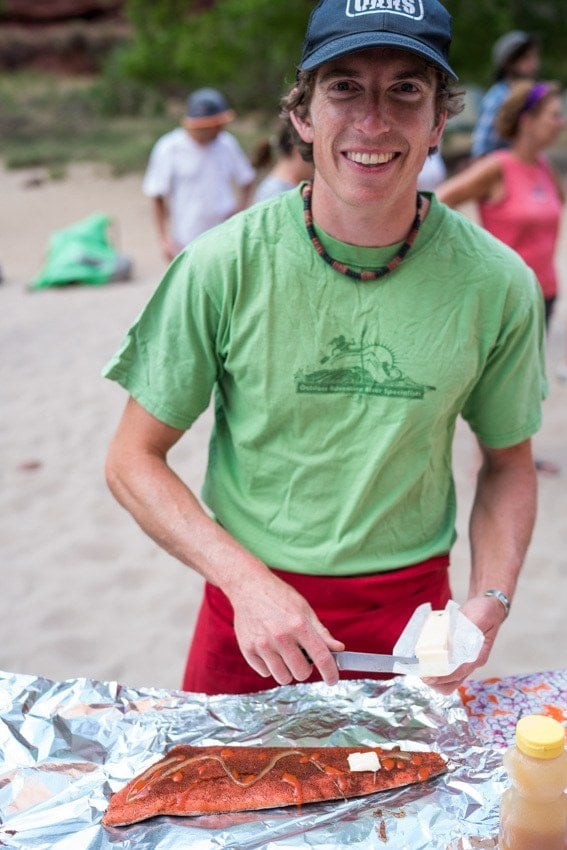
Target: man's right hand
{"x": 279, "y": 634}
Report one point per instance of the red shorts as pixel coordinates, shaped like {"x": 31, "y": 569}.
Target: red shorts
{"x": 367, "y": 613}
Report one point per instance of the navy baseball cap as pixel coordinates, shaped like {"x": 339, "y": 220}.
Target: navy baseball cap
{"x": 208, "y": 108}
{"x": 337, "y": 27}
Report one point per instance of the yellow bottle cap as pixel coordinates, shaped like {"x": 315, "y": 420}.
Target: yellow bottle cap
{"x": 540, "y": 736}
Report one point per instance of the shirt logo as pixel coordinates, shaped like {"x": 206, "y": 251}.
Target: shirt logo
{"x": 406, "y": 8}
{"x": 358, "y": 367}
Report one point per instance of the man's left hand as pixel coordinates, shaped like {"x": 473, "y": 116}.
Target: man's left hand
{"x": 487, "y": 613}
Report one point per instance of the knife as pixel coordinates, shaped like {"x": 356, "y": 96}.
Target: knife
{"x": 372, "y": 662}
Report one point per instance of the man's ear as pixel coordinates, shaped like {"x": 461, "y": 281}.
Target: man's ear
{"x": 438, "y": 129}
{"x": 302, "y": 126}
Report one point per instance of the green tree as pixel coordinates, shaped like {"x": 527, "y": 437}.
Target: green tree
{"x": 157, "y": 28}
{"x": 249, "y": 48}
{"x": 478, "y": 23}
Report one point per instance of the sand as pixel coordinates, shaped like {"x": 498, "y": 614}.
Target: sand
{"x": 84, "y": 593}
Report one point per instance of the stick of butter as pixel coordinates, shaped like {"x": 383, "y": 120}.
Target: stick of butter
{"x": 364, "y": 761}
{"x": 432, "y": 647}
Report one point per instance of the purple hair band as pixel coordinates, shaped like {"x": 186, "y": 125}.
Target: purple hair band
{"x": 535, "y": 94}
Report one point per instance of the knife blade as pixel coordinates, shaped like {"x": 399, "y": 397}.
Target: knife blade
{"x": 372, "y": 662}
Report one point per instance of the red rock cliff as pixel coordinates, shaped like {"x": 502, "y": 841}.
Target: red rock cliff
{"x": 45, "y": 11}
{"x": 69, "y": 36}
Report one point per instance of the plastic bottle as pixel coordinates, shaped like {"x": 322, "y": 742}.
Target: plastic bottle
{"x": 533, "y": 811}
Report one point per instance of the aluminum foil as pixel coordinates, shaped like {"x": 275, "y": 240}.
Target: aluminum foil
{"x": 65, "y": 747}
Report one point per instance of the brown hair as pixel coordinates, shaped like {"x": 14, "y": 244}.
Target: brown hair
{"x": 447, "y": 99}
{"x": 518, "y": 103}
{"x": 279, "y": 145}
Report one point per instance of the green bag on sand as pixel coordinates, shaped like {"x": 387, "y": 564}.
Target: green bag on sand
{"x": 83, "y": 253}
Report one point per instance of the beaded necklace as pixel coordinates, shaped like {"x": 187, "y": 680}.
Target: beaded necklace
{"x": 374, "y": 274}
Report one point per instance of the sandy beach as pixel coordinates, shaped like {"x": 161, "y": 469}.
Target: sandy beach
{"x": 84, "y": 593}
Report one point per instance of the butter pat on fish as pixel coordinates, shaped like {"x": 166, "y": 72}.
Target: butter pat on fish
{"x": 432, "y": 647}
{"x": 364, "y": 761}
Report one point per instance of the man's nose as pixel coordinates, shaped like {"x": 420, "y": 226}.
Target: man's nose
{"x": 373, "y": 117}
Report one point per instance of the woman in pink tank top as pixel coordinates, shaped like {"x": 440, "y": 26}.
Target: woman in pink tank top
{"x": 519, "y": 195}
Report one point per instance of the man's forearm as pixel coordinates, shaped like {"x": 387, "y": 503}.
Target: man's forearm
{"x": 502, "y": 519}
{"x": 167, "y": 510}
{"x": 141, "y": 479}
{"x": 501, "y": 526}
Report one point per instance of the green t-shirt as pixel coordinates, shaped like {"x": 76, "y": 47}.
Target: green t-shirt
{"x": 336, "y": 400}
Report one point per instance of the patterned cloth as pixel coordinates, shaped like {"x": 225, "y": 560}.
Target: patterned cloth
{"x": 495, "y": 705}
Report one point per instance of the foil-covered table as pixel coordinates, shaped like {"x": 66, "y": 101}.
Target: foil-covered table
{"x": 65, "y": 747}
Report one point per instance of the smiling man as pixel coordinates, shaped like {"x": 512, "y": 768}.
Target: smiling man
{"x": 342, "y": 327}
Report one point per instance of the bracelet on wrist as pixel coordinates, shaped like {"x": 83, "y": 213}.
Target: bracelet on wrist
{"x": 501, "y": 597}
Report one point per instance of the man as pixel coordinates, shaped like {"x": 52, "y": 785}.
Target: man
{"x": 193, "y": 172}
{"x": 515, "y": 56}
{"x": 343, "y": 327}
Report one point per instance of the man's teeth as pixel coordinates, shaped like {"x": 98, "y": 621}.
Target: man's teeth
{"x": 370, "y": 158}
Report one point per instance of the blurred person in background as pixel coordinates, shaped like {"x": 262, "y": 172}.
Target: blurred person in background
{"x": 289, "y": 169}
{"x": 520, "y": 195}
{"x": 433, "y": 173}
{"x": 515, "y": 56}
{"x": 193, "y": 171}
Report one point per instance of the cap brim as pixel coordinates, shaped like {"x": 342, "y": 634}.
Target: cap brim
{"x": 362, "y": 41}
{"x": 210, "y": 120}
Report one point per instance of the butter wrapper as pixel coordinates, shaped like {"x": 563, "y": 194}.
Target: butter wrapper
{"x": 465, "y": 639}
